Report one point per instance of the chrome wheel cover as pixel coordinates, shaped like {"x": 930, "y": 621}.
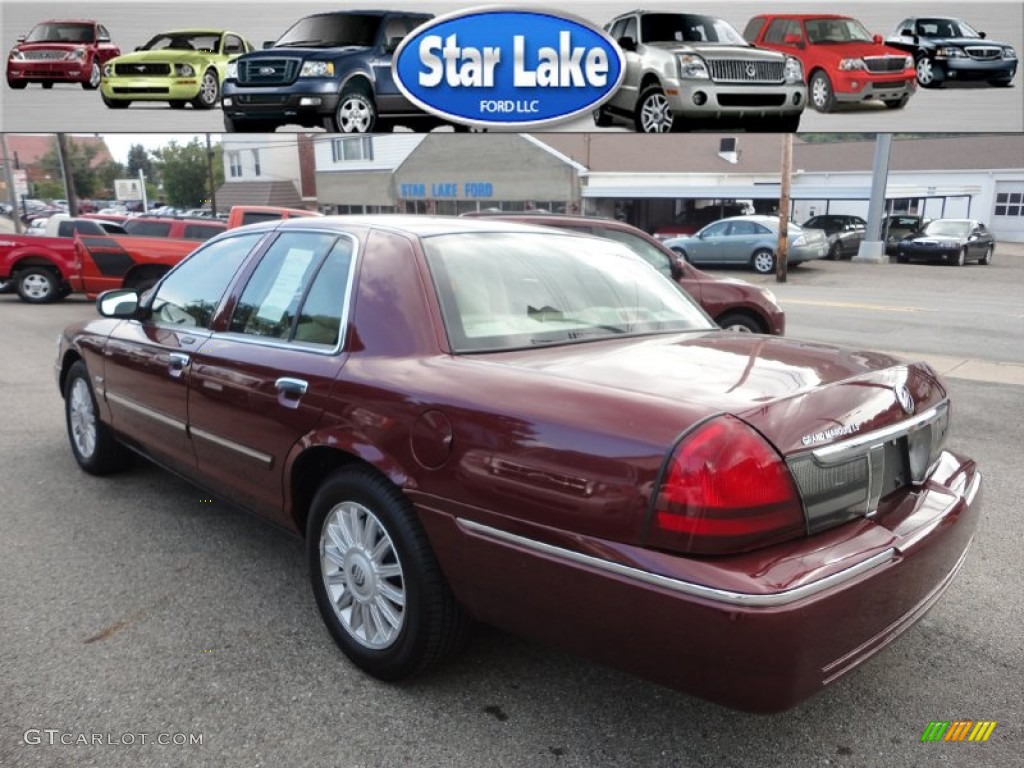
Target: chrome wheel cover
{"x": 82, "y": 419}
{"x": 37, "y": 286}
{"x": 655, "y": 114}
{"x": 354, "y": 115}
{"x": 737, "y": 328}
{"x": 362, "y": 575}
{"x": 209, "y": 89}
{"x": 925, "y": 71}
{"x": 763, "y": 262}
{"x": 819, "y": 92}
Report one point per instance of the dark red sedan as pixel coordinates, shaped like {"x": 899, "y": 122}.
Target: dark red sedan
{"x": 475, "y": 419}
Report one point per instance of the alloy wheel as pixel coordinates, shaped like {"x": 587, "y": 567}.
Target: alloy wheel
{"x": 355, "y": 114}
{"x": 82, "y": 419}
{"x": 36, "y": 287}
{"x": 925, "y": 72}
{"x": 656, "y": 114}
{"x": 362, "y": 575}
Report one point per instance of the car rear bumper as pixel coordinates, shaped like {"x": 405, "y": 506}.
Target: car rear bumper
{"x": 150, "y": 88}
{"x": 972, "y": 69}
{"x": 703, "y": 99}
{"x": 861, "y": 86}
{"x": 301, "y": 102}
{"x": 808, "y": 252}
{"x": 732, "y": 630}
{"x": 39, "y": 71}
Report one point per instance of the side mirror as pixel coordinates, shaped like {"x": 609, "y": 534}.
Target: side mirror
{"x": 626, "y": 43}
{"x": 796, "y": 40}
{"x": 268, "y": 44}
{"x": 103, "y": 39}
{"x": 21, "y": 38}
{"x": 982, "y": 35}
{"x": 392, "y": 44}
{"x": 877, "y": 39}
{"x": 119, "y": 302}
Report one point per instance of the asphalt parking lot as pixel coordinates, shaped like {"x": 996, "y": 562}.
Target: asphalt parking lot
{"x": 134, "y": 609}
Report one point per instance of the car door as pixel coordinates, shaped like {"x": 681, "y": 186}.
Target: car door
{"x": 740, "y": 241}
{"x": 393, "y": 29}
{"x": 626, "y": 96}
{"x": 147, "y": 371}
{"x": 706, "y": 246}
{"x": 261, "y": 382}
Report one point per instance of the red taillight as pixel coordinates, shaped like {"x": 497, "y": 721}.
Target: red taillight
{"x": 726, "y": 490}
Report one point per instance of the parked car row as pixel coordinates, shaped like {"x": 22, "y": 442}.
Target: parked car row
{"x": 334, "y": 69}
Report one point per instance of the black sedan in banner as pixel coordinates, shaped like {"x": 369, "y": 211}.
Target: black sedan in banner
{"x": 949, "y": 241}
{"x": 947, "y": 49}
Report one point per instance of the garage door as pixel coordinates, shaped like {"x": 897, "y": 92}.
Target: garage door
{"x": 1008, "y": 214}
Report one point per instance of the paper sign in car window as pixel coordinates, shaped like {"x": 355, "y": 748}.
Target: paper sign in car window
{"x": 286, "y": 287}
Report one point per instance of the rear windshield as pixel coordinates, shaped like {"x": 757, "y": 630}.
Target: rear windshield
{"x": 501, "y": 291}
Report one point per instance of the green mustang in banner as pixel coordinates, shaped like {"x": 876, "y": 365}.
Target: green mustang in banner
{"x": 183, "y": 67}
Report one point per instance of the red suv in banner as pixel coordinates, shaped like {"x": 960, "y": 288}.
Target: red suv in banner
{"x": 843, "y": 62}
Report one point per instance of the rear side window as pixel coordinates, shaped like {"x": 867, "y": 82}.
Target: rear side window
{"x": 201, "y": 231}
{"x": 255, "y": 217}
{"x": 66, "y": 229}
{"x": 189, "y": 296}
{"x": 297, "y": 291}
{"x": 148, "y": 228}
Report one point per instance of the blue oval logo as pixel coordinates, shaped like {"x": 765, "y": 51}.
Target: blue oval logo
{"x": 511, "y": 68}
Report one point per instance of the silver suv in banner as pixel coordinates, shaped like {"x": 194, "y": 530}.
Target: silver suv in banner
{"x": 683, "y": 68}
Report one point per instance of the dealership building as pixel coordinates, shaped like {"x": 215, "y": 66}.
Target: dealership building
{"x": 652, "y": 180}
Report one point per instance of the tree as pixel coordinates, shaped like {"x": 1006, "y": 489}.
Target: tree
{"x": 80, "y": 157}
{"x": 184, "y": 173}
{"x": 139, "y": 160}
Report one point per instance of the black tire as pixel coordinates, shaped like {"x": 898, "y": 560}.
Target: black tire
{"x": 602, "y": 118}
{"x": 431, "y": 625}
{"x": 356, "y": 112}
{"x": 106, "y": 455}
{"x": 737, "y": 321}
{"x": 834, "y": 252}
{"x": 762, "y": 261}
{"x": 652, "y": 113}
{"x": 929, "y": 74}
{"x": 47, "y": 85}
{"x": 899, "y": 103}
{"x": 823, "y": 96}
{"x": 178, "y": 104}
{"x": 20, "y": 85}
{"x": 94, "y": 78}
{"x": 209, "y": 91}
{"x": 987, "y": 258}
{"x": 38, "y": 285}
{"x": 115, "y": 103}
{"x": 143, "y": 282}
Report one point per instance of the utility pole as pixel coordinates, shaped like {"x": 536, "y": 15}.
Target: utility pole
{"x": 9, "y": 180}
{"x": 69, "y": 177}
{"x": 782, "y": 261}
{"x": 209, "y": 169}
{"x": 872, "y": 247}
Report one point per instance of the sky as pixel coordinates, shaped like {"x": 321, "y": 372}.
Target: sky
{"x": 120, "y": 143}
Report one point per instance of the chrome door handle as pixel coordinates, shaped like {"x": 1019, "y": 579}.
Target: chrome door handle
{"x": 177, "y": 364}
{"x": 290, "y": 391}
{"x": 289, "y": 386}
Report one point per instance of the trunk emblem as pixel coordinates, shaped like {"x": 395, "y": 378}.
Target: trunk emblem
{"x": 905, "y": 399}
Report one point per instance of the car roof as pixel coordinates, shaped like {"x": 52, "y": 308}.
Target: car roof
{"x": 410, "y": 224}
{"x": 192, "y": 31}
{"x": 67, "y": 21}
{"x": 798, "y": 16}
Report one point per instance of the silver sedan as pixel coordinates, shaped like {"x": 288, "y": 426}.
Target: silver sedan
{"x": 749, "y": 240}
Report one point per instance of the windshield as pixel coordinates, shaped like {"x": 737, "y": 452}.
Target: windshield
{"x": 945, "y": 28}
{"x": 184, "y": 41}
{"x": 687, "y": 28}
{"x": 501, "y": 291}
{"x": 951, "y": 228}
{"x": 834, "y": 31}
{"x": 332, "y": 30}
{"x": 61, "y": 33}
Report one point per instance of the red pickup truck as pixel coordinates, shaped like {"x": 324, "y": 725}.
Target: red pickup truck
{"x": 37, "y": 266}
{"x": 45, "y": 269}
